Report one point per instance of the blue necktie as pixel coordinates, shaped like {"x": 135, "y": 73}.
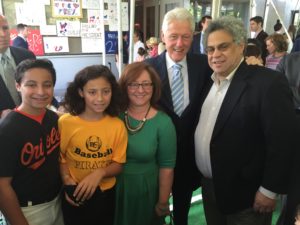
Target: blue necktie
{"x": 177, "y": 89}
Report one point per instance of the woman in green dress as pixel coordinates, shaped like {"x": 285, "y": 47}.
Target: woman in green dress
{"x": 144, "y": 187}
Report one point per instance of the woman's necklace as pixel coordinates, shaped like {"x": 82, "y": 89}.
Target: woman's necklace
{"x": 134, "y": 130}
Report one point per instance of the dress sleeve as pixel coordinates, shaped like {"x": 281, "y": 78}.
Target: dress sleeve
{"x": 166, "y": 153}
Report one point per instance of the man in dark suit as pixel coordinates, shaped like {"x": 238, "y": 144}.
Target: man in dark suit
{"x": 177, "y": 33}
{"x": 256, "y": 25}
{"x": 21, "y": 40}
{"x": 289, "y": 65}
{"x": 246, "y": 132}
{"x": 197, "y": 44}
{"x": 15, "y": 56}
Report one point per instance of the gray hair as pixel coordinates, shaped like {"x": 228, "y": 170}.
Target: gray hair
{"x": 180, "y": 14}
{"x": 234, "y": 26}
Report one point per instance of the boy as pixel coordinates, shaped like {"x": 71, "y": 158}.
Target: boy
{"x": 29, "y": 170}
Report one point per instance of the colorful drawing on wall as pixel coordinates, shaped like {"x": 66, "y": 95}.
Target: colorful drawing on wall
{"x": 56, "y": 44}
{"x": 68, "y": 28}
{"x": 66, "y": 8}
{"x": 34, "y": 39}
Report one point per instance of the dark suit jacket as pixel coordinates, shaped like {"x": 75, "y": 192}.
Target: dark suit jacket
{"x": 198, "y": 73}
{"x": 289, "y": 65}
{"x": 253, "y": 137}
{"x": 19, "y": 54}
{"x": 195, "y": 48}
{"x": 261, "y": 37}
{"x": 296, "y": 46}
{"x": 20, "y": 42}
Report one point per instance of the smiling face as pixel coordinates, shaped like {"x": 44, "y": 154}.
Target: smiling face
{"x": 178, "y": 39}
{"x": 223, "y": 54}
{"x": 97, "y": 95}
{"x": 36, "y": 89}
{"x": 140, "y": 95}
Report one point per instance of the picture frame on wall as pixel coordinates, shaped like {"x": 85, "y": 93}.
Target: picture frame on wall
{"x": 66, "y": 8}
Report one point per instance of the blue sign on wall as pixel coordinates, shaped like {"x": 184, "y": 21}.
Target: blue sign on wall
{"x": 111, "y": 42}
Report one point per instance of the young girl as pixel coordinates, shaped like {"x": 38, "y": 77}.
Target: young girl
{"x": 30, "y": 181}
{"x": 93, "y": 147}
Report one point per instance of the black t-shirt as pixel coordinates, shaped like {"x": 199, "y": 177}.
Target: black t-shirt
{"x": 29, "y": 154}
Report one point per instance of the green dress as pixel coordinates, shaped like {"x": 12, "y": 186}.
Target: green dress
{"x": 151, "y": 148}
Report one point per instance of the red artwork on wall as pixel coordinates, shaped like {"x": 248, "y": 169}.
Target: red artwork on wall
{"x": 35, "y": 41}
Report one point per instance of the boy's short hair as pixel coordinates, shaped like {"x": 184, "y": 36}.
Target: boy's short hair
{"x": 34, "y": 63}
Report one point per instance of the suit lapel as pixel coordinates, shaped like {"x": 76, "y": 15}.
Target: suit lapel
{"x": 235, "y": 90}
{"x": 166, "y": 98}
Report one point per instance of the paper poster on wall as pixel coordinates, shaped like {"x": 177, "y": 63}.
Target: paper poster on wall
{"x": 93, "y": 16}
{"x": 48, "y": 29}
{"x": 90, "y": 30}
{"x": 111, "y": 40}
{"x": 90, "y": 4}
{"x": 34, "y": 39}
{"x": 111, "y": 15}
{"x": 91, "y": 45}
{"x": 44, "y": 2}
{"x": 66, "y": 8}
{"x": 56, "y": 44}
{"x": 68, "y": 28}
{"x": 24, "y": 13}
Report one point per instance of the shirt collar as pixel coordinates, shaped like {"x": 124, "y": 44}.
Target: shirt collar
{"x": 7, "y": 53}
{"x": 229, "y": 77}
{"x": 170, "y": 62}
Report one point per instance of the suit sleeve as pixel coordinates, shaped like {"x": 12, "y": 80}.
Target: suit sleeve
{"x": 279, "y": 126}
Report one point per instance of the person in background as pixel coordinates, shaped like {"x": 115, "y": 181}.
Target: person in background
{"x": 278, "y": 28}
{"x": 30, "y": 181}
{"x": 147, "y": 177}
{"x": 241, "y": 149}
{"x": 152, "y": 44}
{"x": 253, "y": 52}
{"x": 137, "y": 44}
{"x": 125, "y": 51}
{"x": 93, "y": 147}
{"x": 189, "y": 72}
{"x": 142, "y": 54}
{"x": 21, "y": 40}
{"x": 256, "y": 25}
{"x": 292, "y": 31}
{"x": 10, "y": 57}
{"x": 197, "y": 44}
{"x": 161, "y": 48}
{"x": 277, "y": 47}
{"x": 289, "y": 66}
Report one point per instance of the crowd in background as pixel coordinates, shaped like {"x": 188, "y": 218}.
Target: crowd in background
{"x": 214, "y": 108}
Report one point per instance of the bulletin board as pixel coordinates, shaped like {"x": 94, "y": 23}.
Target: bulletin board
{"x": 60, "y": 27}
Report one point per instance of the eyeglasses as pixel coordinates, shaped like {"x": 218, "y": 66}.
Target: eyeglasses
{"x": 135, "y": 86}
{"x": 221, "y": 47}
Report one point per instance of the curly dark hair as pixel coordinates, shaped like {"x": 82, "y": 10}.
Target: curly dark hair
{"x": 75, "y": 104}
